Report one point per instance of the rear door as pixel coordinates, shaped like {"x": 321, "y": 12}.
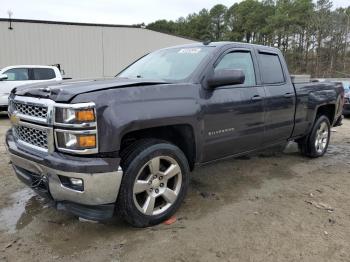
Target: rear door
{"x": 280, "y": 98}
{"x": 234, "y": 115}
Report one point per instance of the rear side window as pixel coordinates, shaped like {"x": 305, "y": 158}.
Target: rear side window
{"x": 241, "y": 61}
{"x": 271, "y": 69}
{"x": 17, "y": 74}
{"x": 43, "y": 73}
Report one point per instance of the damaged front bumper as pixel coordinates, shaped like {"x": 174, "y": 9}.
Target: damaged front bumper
{"x": 46, "y": 175}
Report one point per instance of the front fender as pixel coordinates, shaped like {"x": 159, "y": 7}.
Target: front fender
{"x": 126, "y": 118}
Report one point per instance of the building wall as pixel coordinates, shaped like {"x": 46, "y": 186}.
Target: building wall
{"x": 83, "y": 51}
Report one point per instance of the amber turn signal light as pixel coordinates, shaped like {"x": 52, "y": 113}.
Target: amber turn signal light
{"x": 86, "y": 115}
{"x": 87, "y": 141}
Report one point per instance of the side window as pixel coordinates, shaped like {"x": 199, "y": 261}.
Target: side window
{"x": 271, "y": 69}
{"x": 17, "y": 74}
{"x": 43, "y": 73}
{"x": 242, "y": 61}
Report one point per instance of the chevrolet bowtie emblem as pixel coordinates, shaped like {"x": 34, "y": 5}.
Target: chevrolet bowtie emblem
{"x": 14, "y": 119}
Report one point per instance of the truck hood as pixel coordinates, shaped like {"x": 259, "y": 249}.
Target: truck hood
{"x": 64, "y": 91}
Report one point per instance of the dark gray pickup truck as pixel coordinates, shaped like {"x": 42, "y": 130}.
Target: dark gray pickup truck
{"x": 126, "y": 145}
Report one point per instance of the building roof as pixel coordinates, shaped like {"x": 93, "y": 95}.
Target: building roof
{"x": 64, "y": 23}
{"x": 88, "y": 24}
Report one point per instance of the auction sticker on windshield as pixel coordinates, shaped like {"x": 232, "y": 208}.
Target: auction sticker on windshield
{"x": 190, "y": 50}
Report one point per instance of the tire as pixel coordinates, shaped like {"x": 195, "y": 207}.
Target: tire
{"x": 316, "y": 143}
{"x": 144, "y": 184}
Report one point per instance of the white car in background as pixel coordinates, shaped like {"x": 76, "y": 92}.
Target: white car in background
{"x": 14, "y": 76}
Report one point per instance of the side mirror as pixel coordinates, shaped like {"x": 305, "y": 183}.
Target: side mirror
{"x": 3, "y": 77}
{"x": 224, "y": 77}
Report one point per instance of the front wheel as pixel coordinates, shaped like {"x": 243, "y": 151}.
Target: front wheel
{"x": 316, "y": 144}
{"x": 155, "y": 181}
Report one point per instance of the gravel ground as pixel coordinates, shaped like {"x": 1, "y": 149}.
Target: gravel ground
{"x": 266, "y": 207}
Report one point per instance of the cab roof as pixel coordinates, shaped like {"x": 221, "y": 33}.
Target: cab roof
{"x": 225, "y": 43}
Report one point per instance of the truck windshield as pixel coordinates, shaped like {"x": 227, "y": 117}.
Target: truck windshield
{"x": 173, "y": 64}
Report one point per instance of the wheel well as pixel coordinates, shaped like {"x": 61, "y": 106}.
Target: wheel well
{"x": 180, "y": 135}
{"x": 328, "y": 111}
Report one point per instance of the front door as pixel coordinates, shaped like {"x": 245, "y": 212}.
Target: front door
{"x": 234, "y": 115}
{"x": 15, "y": 77}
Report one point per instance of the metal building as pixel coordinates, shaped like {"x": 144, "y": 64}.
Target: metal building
{"x": 82, "y": 50}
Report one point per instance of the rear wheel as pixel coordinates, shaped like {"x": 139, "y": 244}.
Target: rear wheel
{"x": 316, "y": 144}
{"x": 155, "y": 181}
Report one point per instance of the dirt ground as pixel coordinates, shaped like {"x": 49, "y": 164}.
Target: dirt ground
{"x": 266, "y": 207}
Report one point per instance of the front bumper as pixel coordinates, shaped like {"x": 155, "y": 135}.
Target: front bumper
{"x": 101, "y": 182}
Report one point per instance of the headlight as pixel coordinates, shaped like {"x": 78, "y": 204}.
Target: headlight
{"x": 76, "y": 128}
{"x": 76, "y": 141}
{"x": 75, "y": 114}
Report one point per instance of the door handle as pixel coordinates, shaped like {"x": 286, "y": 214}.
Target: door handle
{"x": 288, "y": 95}
{"x": 256, "y": 98}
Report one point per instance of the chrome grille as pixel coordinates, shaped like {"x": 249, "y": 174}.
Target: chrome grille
{"x": 32, "y": 120}
{"x": 32, "y": 136}
{"x": 30, "y": 110}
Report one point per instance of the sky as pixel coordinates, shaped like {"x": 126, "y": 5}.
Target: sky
{"x": 112, "y": 11}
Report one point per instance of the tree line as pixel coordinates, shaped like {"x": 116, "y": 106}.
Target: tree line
{"x": 314, "y": 37}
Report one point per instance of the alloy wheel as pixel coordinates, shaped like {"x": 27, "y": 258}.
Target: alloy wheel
{"x": 321, "y": 138}
{"x": 157, "y": 185}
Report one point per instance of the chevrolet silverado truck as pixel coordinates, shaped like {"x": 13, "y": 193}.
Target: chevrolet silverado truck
{"x": 126, "y": 145}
